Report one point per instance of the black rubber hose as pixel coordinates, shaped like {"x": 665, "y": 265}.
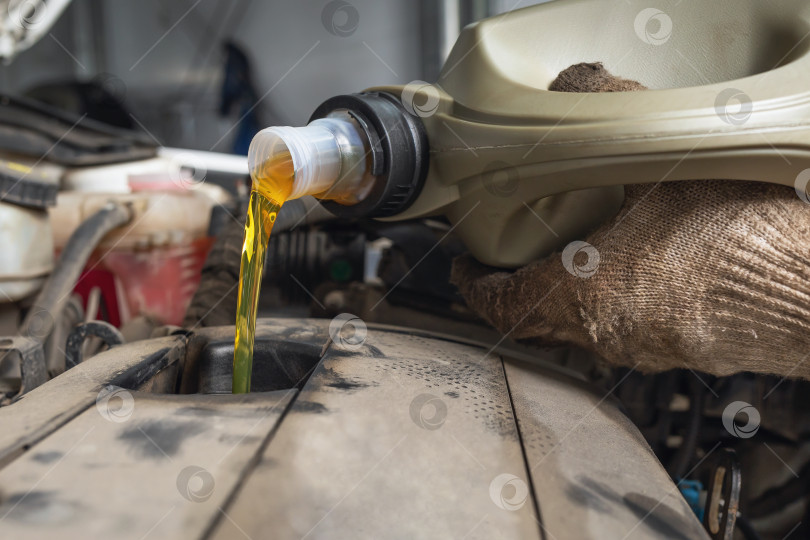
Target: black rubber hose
{"x": 107, "y": 333}
{"x": 214, "y": 302}
{"x": 39, "y": 322}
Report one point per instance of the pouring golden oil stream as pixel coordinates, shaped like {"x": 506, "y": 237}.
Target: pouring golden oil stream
{"x": 272, "y": 184}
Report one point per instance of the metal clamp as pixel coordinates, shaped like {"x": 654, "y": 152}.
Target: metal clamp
{"x": 723, "y": 499}
{"x": 33, "y": 371}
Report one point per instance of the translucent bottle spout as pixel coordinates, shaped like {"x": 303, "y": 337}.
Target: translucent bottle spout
{"x": 364, "y": 153}
{"x": 327, "y": 158}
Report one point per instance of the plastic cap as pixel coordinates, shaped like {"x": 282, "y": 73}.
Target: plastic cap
{"x": 314, "y": 151}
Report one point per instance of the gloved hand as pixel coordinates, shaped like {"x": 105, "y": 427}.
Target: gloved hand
{"x": 708, "y": 275}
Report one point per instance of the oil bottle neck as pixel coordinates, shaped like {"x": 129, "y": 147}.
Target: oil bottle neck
{"x": 363, "y": 154}
{"x": 327, "y": 156}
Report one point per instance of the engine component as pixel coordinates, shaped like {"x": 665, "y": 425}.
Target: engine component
{"x": 51, "y": 300}
{"x": 723, "y": 499}
{"x": 153, "y": 264}
{"x": 108, "y": 333}
{"x": 30, "y": 129}
{"x": 42, "y": 317}
{"x": 464, "y": 440}
{"x": 27, "y": 255}
{"x": 30, "y": 355}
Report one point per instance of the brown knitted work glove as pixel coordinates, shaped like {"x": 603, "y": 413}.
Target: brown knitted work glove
{"x": 707, "y": 275}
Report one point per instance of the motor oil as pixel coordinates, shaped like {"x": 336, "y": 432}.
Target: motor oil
{"x": 272, "y": 184}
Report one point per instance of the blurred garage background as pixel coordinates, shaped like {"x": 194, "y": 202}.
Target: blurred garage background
{"x": 165, "y": 62}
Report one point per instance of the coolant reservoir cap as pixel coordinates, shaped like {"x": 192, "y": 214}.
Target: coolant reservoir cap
{"x": 399, "y": 151}
{"x": 25, "y": 185}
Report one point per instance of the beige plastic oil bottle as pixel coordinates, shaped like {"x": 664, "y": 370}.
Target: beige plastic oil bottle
{"x": 520, "y": 170}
